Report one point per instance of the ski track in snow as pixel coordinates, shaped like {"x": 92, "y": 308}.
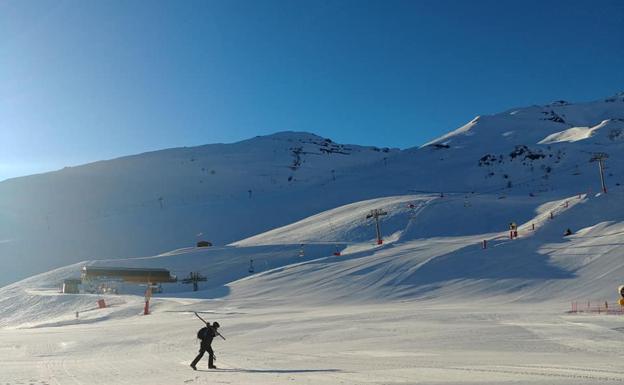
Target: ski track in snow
{"x": 325, "y": 304}
{"x": 303, "y": 332}
{"x": 374, "y": 343}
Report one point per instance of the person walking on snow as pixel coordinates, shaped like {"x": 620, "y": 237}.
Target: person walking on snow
{"x": 206, "y": 334}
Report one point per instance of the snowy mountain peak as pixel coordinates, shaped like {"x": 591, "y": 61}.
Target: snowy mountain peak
{"x": 532, "y": 124}
{"x": 162, "y": 200}
{"x": 291, "y": 135}
{"x": 324, "y": 145}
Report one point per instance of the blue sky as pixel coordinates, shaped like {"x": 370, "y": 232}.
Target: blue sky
{"x": 84, "y": 80}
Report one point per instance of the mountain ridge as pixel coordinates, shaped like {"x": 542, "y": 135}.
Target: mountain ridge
{"x": 161, "y": 200}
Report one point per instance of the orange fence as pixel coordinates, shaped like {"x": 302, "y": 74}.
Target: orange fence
{"x": 596, "y": 307}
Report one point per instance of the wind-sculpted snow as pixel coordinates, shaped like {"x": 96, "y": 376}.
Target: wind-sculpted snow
{"x": 144, "y": 204}
{"x": 345, "y": 224}
{"x": 224, "y": 193}
{"x": 541, "y": 265}
{"x": 608, "y": 130}
{"x": 417, "y": 260}
{"x": 416, "y": 307}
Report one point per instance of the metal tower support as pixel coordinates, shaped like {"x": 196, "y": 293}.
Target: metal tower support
{"x": 600, "y": 158}
{"x": 376, "y": 213}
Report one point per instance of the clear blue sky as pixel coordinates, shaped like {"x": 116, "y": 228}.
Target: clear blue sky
{"x": 87, "y": 80}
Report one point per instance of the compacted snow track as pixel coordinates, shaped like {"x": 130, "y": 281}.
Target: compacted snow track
{"x": 410, "y": 342}
{"x": 437, "y": 310}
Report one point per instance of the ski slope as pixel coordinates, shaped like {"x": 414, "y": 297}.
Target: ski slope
{"x": 143, "y": 204}
{"x": 433, "y": 310}
{"x": 429, "y": 305}
{"x": 387, "y": 343}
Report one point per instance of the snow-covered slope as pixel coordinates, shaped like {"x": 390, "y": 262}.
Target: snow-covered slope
{"x": 541, "y": 265}
{"x": 535, "y": 150}
{"x": 430, "y": 303}
{"x": 296, "y": 263}
{"x": 144, "y": 204}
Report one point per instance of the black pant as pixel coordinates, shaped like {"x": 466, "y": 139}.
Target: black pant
{"x": 203, "y": 350}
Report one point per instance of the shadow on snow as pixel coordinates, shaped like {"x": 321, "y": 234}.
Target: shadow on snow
{"x": 239, "y": 370}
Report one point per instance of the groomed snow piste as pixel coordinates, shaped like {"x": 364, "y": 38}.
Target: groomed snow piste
{"x": 434, "y": 309}
{"x": 325, "y": 304}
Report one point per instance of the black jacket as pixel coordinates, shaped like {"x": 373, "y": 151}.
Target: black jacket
{"x": 209, "y": 335}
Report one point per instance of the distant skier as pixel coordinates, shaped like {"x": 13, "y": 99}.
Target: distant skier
{"x": 206, "y": 335}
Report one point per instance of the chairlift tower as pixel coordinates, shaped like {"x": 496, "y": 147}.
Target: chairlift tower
{"x": 194, "y": 278}
{"x": 600, "y": 158}
{"x": 376, "y": 213}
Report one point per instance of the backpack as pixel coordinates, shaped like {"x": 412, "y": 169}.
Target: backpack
{"x": 202, "y": 333}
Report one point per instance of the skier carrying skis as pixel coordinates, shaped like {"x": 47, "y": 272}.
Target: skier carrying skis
{"x": 206, "y": 334}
